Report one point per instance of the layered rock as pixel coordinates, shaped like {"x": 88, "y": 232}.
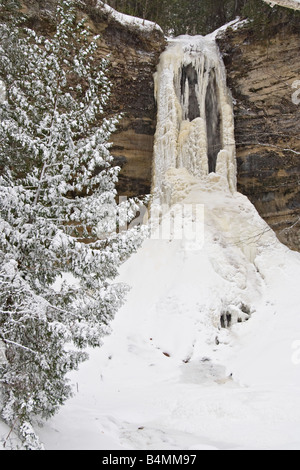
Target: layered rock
{"x": 134, "y": 47}
{"x": 263, "y": 75}
{"x": 262, "y": 70}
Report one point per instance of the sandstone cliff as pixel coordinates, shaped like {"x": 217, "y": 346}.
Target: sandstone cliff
{"x": 134, "y": 48}
{"x": 262, "y": 67}
{"x": 263, "y": 71}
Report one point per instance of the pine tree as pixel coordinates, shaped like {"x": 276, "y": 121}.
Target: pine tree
{"x": 183, "y": 16}
{"x": 57, "y": 213}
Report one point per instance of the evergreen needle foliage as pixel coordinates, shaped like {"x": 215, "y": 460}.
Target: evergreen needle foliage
{"x": 57, "y": 212}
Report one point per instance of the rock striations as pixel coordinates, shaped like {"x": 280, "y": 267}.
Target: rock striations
{"x": 134, "y": 47}
{"x": 264, "y": 75}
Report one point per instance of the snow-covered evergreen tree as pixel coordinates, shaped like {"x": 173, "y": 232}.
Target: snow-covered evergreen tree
{"x": 57, "y": 213}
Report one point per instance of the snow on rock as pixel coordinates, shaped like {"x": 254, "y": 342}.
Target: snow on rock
{"x": 293, "y": 4}
{"x": 128, "y": 20}
{"x": 234, "y": 24}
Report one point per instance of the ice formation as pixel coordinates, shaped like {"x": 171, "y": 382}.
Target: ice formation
{"x": 180, "y": 369}
{"x": 195, "y": 126}
{"x": 194, "y": 167}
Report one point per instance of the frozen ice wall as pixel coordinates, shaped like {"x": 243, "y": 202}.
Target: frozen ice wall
{"x": 195, "y": 127}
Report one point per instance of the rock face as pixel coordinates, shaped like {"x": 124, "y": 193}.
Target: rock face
{"x": 134, "y": 48}
{"x": 264, "y": 77}
{"x": 134, "y": 53}
{"x": 262, "y": 71}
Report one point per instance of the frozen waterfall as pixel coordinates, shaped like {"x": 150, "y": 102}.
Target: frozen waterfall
{"x": 181, "y": 370}
{"x": 195, "y": 126}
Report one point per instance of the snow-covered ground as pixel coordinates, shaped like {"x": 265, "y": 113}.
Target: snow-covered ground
{"x": 168, "y": 377}
{"x": 293, "y": 4}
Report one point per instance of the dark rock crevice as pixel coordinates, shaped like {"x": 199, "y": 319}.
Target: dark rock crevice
{"x": 189, "y": 75}
{"x": 213, "y": 122}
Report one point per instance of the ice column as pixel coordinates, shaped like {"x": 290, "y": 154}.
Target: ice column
{"x": 195, "y": 126}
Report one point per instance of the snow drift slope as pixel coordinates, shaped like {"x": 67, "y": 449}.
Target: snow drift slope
{"x": 169, "y": 377}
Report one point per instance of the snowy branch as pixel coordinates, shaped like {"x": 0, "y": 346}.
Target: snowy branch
{"x": 13, "y": 343}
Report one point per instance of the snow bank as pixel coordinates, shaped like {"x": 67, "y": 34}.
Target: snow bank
{"x": 293, "y": 4}
{"x": 131, "y": 21}
{"x": 234, "y": 24}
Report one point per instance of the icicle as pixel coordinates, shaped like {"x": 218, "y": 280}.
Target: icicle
{"x": 195, "y": 127}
